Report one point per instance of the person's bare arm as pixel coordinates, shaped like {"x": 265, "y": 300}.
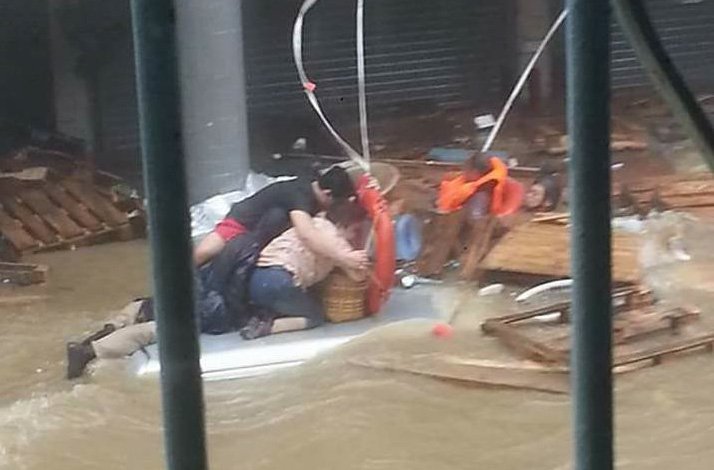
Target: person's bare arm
{"x": 323, "y": 244}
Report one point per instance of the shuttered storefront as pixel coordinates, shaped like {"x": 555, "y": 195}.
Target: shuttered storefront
{"x": 686, "y": 28}
{"x": 449, "y": 51}
{"x": 117, "y": 95}
{"x": 445, "y": 52}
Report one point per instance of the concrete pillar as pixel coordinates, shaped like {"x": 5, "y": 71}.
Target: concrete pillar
{"x": 215, "y": 127}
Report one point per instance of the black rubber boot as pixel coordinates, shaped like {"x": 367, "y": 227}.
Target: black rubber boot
{"x": 82, "y": 353}
{"x": 78, "y": 356}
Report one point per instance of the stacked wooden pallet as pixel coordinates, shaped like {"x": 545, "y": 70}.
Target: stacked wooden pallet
{"x": 46, "y": 214}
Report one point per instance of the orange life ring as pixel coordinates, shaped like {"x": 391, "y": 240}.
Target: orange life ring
{"x": 382, "y": 279}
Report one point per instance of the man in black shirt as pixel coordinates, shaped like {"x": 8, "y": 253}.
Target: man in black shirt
{"x": 298, "y": 201}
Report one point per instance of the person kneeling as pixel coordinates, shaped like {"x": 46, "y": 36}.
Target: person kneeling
{"x": 279, "y": 287}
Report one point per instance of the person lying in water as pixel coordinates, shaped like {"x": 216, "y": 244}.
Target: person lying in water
{"x": 300, "y": 200}
{"x": 278, "y": 290}
{"x": 280, "y": 287}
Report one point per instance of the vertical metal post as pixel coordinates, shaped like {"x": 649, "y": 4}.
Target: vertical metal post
{"x": 164, "y": 176}
{"x": 588, "y": 109}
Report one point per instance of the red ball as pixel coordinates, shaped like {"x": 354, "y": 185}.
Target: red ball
{"x": 442, "y": 330}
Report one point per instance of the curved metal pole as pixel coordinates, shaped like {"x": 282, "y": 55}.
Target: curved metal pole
{"x": 635, "y": 23}
{"x": 588, "y": 109}
{"x": 169, "y": 229}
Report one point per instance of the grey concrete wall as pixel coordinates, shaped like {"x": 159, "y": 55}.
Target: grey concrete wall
{"x": 215, "y": 127}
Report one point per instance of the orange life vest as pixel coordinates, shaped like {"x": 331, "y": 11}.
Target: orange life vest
{"x": 454, "y": 192}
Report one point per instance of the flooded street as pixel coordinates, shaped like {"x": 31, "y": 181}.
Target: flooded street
{"x": 329, "y": 414}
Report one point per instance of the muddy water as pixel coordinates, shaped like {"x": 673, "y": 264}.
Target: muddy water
{"x": 329, "y": 414}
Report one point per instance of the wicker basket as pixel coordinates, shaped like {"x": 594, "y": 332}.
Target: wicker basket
{"x": 343, "y": 298}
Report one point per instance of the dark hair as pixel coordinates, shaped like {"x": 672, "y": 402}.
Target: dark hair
{"x": 478, "y": 161}
{"x": 552, "y": 190}
{"x": 338, "y": 182}
{"x": 345, "y": 213}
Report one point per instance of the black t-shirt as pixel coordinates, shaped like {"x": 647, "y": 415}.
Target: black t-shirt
{"x": 293, "y": 195}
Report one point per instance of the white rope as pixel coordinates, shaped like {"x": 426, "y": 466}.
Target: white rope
{"x": 522, "y": 81}
{"x": 309, "y": 87}
{"x": 361, "y": 84}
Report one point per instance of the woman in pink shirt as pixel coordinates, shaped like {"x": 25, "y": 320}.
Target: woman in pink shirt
{"x": 287, "y": 269}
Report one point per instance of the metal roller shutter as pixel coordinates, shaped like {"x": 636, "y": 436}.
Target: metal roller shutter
{"x": 448, "y": 51}
{"x": 444, "y": 52}
{"x": 117, "y": 95}
{"x": 687, "y": 32}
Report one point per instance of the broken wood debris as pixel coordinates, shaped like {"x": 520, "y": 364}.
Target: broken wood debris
{"x": 22, "y": 274}
{"x": 681, "y": 192}
{"x": 643, "y": 334}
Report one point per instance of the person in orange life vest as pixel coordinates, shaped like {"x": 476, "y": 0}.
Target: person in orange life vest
{"x": 480, "y": 186}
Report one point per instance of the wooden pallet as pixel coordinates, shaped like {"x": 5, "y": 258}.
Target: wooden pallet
{"x": 48, "y": 214}
{"x": 23, "y": 274}
{"x": 542, "y": 250}
{"x": 679, "y": 192}
{"x": 543, "y": 334}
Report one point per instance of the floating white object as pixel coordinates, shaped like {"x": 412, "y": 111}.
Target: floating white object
{"x": 485, "y": 121}
{"x": 493, "y": 289}
{"x": 539, "y": 289}
{"x": 676, "y": 247}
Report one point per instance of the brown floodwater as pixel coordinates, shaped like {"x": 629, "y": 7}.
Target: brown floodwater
{"x": 328, "y": 414}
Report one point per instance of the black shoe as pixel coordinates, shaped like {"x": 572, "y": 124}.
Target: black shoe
{"x": 78, "y": 356}
{"x": 106, "y": 330}
{"x": 256, "y": 328}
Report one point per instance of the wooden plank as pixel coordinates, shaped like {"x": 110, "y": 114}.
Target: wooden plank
{"x": 14, "y": 300}
{"x": 635, "y": 325}
{"x": 543, "y": 249}
{"x": 630, "y": 296}
{"x": 513, "y": 375}
{"x": 17, "y": 236}
{"x": 656, "y": 354}
{"x": 31, "y": 221}
{"x": 50, "y": 213}
{"x": 23, "y": 274}
{"x": 552, "y": 218}
{"x": 98, "y": 205}
{"x": 74, "y": 208}
{"x": 525, "y": 346}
